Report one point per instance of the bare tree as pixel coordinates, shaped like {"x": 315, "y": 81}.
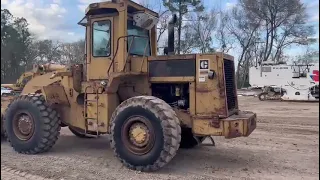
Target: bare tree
{"x": 222, "y": 35}
{"x": 73, "y": 53}
{"x": 47, "y": 51}
{"x": 187, "y": 41}
{"x": 162, "y": 24}
{"x": 283, "y": 23}
{"x": 203, "y": 25}
{"x": 245, "y": 32}
{"x": 310, "y": 56}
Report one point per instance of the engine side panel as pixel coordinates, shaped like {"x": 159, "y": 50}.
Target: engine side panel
{"x": 206, "y": 97}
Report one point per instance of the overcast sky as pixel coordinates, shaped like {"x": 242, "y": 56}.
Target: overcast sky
{"x": 57, "y": 19}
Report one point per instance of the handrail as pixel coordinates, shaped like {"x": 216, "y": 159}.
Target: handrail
{"x": 112, "y": 61}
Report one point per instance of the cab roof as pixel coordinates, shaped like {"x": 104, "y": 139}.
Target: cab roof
{"x": 113, "y": 6}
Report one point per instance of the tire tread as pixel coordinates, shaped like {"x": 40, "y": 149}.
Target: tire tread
{"x": 169, "y": 122}
{"x": 51, "y": 125}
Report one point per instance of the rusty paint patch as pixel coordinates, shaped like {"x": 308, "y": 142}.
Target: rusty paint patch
{"x": 77, "y": 72}
{"x": 233, "y": 133}
{"x": 215, "y": 122}
{"x": 203, "y": 90}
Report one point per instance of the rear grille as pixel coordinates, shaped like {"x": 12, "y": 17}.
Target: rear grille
{"x": 230, "y": 83}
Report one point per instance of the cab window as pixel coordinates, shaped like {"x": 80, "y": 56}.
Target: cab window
{"x": 139, "y": 44}
{"x": 101, "y": 38}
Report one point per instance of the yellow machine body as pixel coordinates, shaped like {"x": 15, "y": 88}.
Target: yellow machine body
{"x": 87, "y": 94}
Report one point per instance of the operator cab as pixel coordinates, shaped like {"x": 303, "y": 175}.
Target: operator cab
{"x": 110, "y": 41}
{"x": 102, "y": 34}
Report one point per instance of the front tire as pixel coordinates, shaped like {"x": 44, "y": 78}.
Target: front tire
{"x": 145, "y": 133}
{"x": 31, "y": 125}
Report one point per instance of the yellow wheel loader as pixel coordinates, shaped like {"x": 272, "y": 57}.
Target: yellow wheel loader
{"x": 149, "y": 105}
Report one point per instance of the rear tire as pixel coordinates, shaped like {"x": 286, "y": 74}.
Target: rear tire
{"x": 160, "y": 129}
{"x": 31, "y": 125}
{"x": 3, "y": 132}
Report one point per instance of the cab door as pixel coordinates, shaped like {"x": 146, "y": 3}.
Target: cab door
{"x": 100, "y": 47}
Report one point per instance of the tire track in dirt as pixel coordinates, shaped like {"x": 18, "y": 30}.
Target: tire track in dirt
{"x": 72, "y": 165}
{"x": 282, "y": 147}
{"x": 10, "y": 174}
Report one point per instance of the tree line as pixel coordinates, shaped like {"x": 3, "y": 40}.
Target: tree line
{"x": 257, "y": 30}
{"x": 20, "y": 49}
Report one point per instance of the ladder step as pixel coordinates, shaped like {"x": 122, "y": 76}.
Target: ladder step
{"x": 90, "y": 118}
{"x": 91, "y": 122}
{"x": 92, "y": 135}
{"x": 90, "y": 100}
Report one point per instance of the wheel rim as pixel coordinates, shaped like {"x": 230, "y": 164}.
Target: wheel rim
{"x": 23, "y": 125}
{"x": 137, "y": 135}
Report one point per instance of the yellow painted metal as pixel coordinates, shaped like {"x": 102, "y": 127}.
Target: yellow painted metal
{"x": 138, "y": 134}
{"x": 208, "y": 93}
{"x": 236, "y": 125}
{"x": 97, "y": 66}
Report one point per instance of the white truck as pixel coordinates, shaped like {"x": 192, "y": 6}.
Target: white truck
{"x": 289, "y": 82}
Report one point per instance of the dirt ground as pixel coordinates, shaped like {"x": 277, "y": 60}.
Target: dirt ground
{"x": 285, "y": 145}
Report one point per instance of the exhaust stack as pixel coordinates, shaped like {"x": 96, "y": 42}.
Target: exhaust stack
{"x": 171, "y": 24}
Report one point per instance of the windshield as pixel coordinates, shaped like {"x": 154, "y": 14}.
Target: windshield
{"x": 139, "y": 44}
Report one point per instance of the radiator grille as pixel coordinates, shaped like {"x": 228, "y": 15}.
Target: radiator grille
{"x": 230, "y": 83}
